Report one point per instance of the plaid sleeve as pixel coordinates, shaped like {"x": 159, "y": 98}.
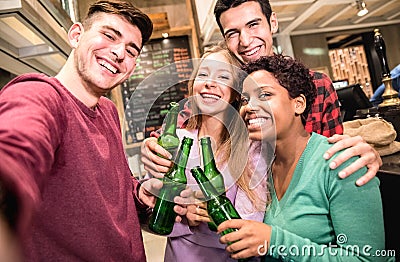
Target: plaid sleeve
{"x": 324, "y": 117}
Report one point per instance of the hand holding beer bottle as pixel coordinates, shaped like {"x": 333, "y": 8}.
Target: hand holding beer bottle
{"x": 163, "y": 217}
{"x": 219, "y": 207}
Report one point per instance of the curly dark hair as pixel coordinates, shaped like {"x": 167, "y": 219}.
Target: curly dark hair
{"x": 125, "y": 9}
{"x": 291, "y": 74}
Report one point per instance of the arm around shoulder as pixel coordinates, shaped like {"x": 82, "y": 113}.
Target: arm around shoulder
{"x": 354, "y": 146}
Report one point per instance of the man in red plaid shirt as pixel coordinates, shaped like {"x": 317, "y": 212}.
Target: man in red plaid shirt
{"x": 247, "y": 27}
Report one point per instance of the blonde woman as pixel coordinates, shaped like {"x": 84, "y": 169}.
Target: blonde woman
{"x": 214, "y": 100}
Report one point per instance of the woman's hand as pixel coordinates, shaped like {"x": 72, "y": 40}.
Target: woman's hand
{"x": 191, "y": 204}
{"x": 251, "y": 239}
{"x": 197, "y": 213}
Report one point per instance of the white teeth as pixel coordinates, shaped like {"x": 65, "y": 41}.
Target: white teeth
{"x": 210, "y": 96}
{"x": 252, "y": 52}
{"x": 258, "y": 121}
{"x": 108, "y": 66}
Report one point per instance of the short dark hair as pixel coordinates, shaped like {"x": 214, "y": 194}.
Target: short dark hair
{"x": 223, "y": 5}
{"x": 294, "y": 76}
{"x": 125, "y": 9}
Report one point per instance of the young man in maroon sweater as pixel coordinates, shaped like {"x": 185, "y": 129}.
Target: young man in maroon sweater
{"x": 65, "y": 185}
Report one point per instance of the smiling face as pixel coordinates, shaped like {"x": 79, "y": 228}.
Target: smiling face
{"x": 212, "y": 87}
{"x": 247, "y": 32}
{"x": 267, "y": 108}
{"x": 105, "y": 52}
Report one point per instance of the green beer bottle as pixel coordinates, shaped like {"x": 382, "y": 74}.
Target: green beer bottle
{"x": 163, "y": 217}
{"x": 219, "y": 207}
{"x": 168, "y": 139}
{"x": 211, "y": 171}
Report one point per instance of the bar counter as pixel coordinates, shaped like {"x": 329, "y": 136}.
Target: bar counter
{"x": 389, "y": 176}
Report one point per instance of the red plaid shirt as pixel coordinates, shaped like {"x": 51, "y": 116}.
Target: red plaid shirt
{"x": 324, "y": 117}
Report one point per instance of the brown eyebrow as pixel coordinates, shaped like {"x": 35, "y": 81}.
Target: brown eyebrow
{"x": 118, "y": 33}
{"x": 247, "y": 24}
{"x": 229, "y": 31}
{"x": 135, "y": 47}
{"x": 254, "y": 20}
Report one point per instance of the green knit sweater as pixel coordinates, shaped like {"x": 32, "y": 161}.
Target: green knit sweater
{"x": 322, "y": 217}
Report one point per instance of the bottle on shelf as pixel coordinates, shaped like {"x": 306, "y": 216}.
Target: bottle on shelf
{"x": 163, "y": 217}
{"x": 211, "y": 171}
{"x": 169, "y": 139}
{"x": 367, "y": 88}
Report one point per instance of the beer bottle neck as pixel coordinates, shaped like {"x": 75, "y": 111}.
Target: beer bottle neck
{"x": 171, "y": 121}
{"x": 208, "y": 156}
{"x": 183, "y": 155}
{"x": 205, "y": 185}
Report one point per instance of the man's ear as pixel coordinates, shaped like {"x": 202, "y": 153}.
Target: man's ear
{"x": 300, "y": 104}
{"x": 273, "y": 21}
{"x": 74, "y": 34}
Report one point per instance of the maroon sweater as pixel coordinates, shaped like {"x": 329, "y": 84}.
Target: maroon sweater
{"x": 71, "y": 162}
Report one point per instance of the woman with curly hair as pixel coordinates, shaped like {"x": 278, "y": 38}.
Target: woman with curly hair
{"x": 310, "y": 216}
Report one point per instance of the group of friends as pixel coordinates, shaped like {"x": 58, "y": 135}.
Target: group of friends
{"x": 67, "y": 193}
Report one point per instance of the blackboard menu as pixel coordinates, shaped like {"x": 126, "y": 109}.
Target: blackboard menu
{"x": 162, "y": 71}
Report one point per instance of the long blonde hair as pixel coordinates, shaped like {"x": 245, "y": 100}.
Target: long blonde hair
{"x": 233, "y": 141}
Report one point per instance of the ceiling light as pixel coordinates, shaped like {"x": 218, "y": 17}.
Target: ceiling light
{"x": 31, "y": 39}
{"x": 362, "y": 8}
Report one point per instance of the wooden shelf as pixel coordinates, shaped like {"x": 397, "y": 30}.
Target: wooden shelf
{"x": 175, "y": 31}
{"x": 351, "y": 64}
{"x": 133, "y": 146}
